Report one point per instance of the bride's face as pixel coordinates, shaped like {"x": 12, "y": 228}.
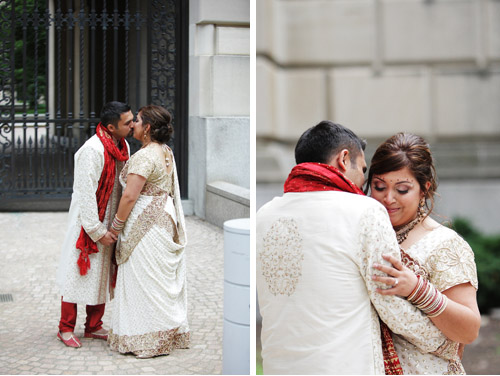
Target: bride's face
{"x": 399, "y": 192}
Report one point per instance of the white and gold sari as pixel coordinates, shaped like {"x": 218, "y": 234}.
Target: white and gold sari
{"x": 150, "y": 304}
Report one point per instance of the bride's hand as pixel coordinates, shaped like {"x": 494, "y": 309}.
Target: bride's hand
{"x": 401, "y": 280}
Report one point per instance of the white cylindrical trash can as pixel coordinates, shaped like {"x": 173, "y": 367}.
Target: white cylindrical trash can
{"x": 236, "y": 337}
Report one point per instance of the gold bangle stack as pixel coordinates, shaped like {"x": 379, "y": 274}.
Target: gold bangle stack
{"x": 427, "y": 298}
{"x": 117, "y": 224}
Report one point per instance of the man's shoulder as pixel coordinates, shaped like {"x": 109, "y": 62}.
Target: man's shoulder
{"x": 93, "y": 143}
{"x": 268, "y": 205}
{"x": 91, "y": 150}
{"x": 326, "y": 197}
{"x": 323, "y": 203}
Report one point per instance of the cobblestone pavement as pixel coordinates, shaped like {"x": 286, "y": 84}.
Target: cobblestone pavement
{"x": 30, "y": 245}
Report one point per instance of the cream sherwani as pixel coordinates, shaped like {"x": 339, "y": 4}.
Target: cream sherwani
{"x": 315, "y": 252}
{"x": 92, "y": 288}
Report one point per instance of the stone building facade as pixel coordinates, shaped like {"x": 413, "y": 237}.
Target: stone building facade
{"x": 219, "y": 109}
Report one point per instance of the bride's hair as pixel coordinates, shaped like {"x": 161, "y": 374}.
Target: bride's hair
{"x": 160, "y": 121}
{"x": 406, "y": 150}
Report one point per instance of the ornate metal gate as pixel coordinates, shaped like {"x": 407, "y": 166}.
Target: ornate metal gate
{"x": 60, "y": 61}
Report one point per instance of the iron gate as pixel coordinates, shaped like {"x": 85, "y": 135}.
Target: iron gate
{"x": 60, "y": 61}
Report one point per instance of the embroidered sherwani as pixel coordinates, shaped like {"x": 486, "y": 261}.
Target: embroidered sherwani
{"x": 446, "y": 260}
{"x": 315, "y": 252}
{"x": 92, "y": 288}
{"x": 150, "y": 304}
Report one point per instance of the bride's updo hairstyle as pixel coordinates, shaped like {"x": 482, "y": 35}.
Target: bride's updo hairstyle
{"x": 406, "y": 150}
{"x": 160, "y": 121}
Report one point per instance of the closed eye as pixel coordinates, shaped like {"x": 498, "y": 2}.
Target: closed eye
{"x": 403, "y": 192}
{"x": 378, "y": 189}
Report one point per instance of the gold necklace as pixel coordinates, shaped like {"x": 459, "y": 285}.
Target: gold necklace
{"x": 403, "y": 231}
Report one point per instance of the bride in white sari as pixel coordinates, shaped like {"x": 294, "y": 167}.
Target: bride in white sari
{"x": 150, "y": 303}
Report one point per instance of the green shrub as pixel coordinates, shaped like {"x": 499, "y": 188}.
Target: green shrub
{"x": 487, "y": 255}
{"x": 258, "y": 369}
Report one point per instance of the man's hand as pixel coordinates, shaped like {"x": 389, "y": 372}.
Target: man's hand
{"x": 108, "y": 239}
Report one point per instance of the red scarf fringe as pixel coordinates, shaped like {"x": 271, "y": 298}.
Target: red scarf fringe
{"x": 104, "y": 189}
{"x": 309, "y": 177}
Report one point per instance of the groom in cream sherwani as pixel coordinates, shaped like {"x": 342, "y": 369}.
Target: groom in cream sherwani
{"x": 315, "y": 249}
{"x": 84, "y": 273}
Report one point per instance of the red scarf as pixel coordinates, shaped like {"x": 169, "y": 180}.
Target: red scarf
{"x": 309, "y": 177}
{"x": 104, "y": 189}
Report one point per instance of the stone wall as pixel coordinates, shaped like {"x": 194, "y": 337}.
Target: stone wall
{"x": 219, "y": 98}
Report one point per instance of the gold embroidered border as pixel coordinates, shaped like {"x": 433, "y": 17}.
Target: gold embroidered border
{"x": 151, "y": 344}
{"x": 455, "y": 367}
{"x": 153, "y": 214}
{"x": 413, "y": 265}
{"x": 150, "y": 189}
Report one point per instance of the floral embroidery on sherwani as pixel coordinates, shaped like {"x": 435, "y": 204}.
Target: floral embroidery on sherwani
{"x": 282, "y": 257}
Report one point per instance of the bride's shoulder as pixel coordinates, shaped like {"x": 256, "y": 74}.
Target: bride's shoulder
{"x": 142, "y": 156}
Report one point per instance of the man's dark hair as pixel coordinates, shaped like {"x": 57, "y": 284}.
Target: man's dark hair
{"x": 112, "y": 111}
{"x": 321, "y": 142}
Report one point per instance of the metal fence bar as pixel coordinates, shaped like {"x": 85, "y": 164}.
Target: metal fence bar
{"x": 24, "y": 41}
{"x": 67, "y": 151}
{"x": 127, "y": 27}
{"x": 44, "y": 166}
{"x": 116, "y": 24}
{"x": 138, "y": 55}
{"x": 81, "y": 24}
{"x": 12, "y": 85}
{"x": 56, "y": 163}
{"x": 36, "y": 22}
{"x": 104, "y": 18}
{"x": 93, "y": 25}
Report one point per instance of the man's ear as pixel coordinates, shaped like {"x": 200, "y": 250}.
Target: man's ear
{"x": 341, "y": 160}
{"x": 111, "y": 127}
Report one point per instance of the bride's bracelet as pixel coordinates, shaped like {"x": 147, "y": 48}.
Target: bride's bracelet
{"x": 117, "y": 224}
{"x": 427, "y": 298}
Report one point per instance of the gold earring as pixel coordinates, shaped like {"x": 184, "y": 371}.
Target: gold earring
{"x": 421, "y": 208}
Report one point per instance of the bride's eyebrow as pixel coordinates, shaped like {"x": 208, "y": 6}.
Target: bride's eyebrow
{"x": 379, "y": 178}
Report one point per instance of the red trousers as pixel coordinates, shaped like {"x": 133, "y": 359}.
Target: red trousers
{"x": 68, "y": 317}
